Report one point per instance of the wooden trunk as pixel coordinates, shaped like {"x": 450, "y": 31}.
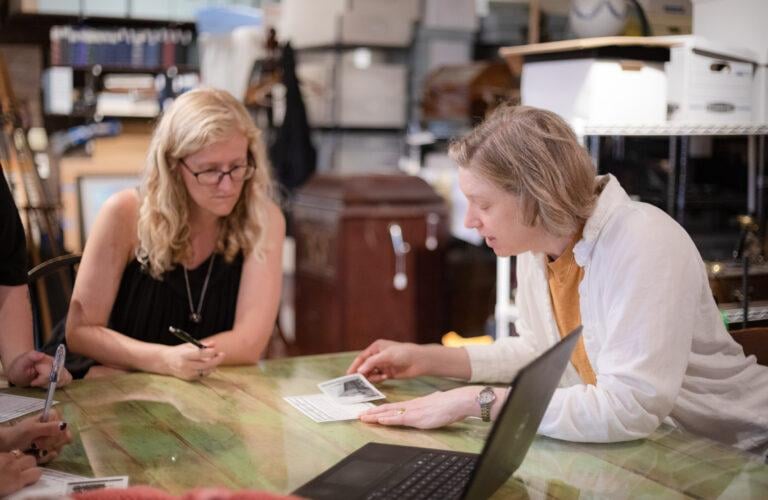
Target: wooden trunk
{"x": 346, "y": 292}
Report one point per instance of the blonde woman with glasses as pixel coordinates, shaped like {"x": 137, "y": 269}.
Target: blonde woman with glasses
{"x": 196, "y": 251}
{"x": 654, "y": 348}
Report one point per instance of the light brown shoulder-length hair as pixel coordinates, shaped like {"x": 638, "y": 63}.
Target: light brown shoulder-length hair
{"x": 533, "y": 154}
{"x": 195, "y": 120}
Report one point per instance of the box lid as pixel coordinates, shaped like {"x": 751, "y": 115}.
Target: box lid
{"x": 714, "y": 48}
{"x": 646, "y": 48}
{"x": 369, "y": 189}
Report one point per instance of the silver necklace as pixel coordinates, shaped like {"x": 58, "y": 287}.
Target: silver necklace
{"x": 195, "y": 314}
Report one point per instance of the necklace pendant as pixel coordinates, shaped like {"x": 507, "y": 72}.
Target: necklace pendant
{"x": 196, "y": 318}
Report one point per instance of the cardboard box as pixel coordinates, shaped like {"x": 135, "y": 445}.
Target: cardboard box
{"x": 372, "y": 97}
{"x": 668, "y": 17}
{"x": 597, "y": 91}
{"x": 317, "y": 23}
{"x": 450, "y": 15}
{"x": 710, "y": 83}
{"x": 358, "y": 152}
{"x": 408, "y": 9}
{"x": 386, "y": 29}
{"x": 114, "y": 8}
{"x": 356, "y": 96}
{"x": 760, "y": 95}
{"x": 736, "y": 23}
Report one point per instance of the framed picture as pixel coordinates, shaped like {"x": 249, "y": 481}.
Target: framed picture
{"x": 93, "y": 190}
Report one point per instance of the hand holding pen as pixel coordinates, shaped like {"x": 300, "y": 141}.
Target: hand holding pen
{"x": 193, "y": 359}
{"x": 186, "y": 337}
{"x": 42, "y": 440}
{"x": 40, "y": 437}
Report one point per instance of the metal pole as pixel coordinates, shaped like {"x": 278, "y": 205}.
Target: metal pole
{"x": 503, "y": 296}
{"x": 682, "y": 180}
{"x": 671, "y": 184}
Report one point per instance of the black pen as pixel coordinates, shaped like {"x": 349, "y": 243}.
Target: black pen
{"x": 182, "y": 335}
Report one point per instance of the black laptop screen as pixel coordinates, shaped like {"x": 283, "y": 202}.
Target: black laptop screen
{"x": 519, "y": 419}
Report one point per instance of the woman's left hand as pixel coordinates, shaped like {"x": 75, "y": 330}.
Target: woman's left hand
{"x": 33, "y": 368}
{"x": 428, "y": 412}
{"x": 45, "y": 439}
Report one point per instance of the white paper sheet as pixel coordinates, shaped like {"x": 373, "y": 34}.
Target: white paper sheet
{"x": 12, "y": 406}
{"x": 322, "y": 408}
{"x": 55, "y": 484}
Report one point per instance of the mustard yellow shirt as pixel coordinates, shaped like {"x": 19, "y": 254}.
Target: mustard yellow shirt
{"x": 564, "y": 276}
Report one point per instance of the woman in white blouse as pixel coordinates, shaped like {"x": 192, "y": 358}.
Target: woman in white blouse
{"x": 654, "y": 347}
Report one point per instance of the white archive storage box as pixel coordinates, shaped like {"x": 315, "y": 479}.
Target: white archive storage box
{"x": 595, "y": 90}
{"x": 760, "y": 95}
{"x": 739, "y": 23}
{"x": 736, "y": 23}
{"x": 710, "y": 83}
{"x": 338, "y": 92}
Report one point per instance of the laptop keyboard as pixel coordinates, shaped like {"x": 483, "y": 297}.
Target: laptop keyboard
{"x": 434, "y": 475}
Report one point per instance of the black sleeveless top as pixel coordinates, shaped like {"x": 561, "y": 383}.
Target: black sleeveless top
{"x": 145, "y": 307}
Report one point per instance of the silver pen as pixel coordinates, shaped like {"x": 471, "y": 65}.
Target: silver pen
{"x": 58, "y": 364}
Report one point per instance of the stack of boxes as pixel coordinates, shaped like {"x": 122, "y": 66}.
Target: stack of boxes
{"x": 445, "y": 36}
{"x": 362, "y": 65}
{"x": 352, "y": 65}
{"x": 344, "y": 87}
{"x": 717, "y": 76}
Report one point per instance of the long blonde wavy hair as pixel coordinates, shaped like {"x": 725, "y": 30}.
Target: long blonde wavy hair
{"x": 195, "y": 120}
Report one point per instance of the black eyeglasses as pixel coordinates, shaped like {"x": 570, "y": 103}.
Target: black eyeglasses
{"x": 212, "y": 177}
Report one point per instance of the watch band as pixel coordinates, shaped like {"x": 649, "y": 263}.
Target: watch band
{"x": 485, "y": 411}
{"x": 485, "y": 399}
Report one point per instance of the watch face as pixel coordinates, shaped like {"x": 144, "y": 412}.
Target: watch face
{"x": 486, "y": 397}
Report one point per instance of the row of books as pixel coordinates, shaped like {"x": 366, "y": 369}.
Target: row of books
{"x": 124, "y": 47}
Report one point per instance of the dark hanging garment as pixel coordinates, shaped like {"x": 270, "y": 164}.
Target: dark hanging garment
{"x": 292, "y": 154}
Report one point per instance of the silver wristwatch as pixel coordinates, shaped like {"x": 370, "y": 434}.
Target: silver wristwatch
{"x": 485, "y": 399}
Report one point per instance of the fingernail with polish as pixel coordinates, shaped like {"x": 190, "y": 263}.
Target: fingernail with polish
{"x": 62, "y": 426}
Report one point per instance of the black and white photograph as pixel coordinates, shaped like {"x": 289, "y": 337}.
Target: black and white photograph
{"x": 351, "y": 389}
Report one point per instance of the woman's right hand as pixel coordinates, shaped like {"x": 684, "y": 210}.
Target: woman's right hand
{"x": 187, "y": 362}
{"x": 17, "y": 470}
{"x": 43, "y": 440}
{"x": 386, "y": 359}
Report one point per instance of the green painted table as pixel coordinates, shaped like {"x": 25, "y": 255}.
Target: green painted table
{"x": 234, "y": 429}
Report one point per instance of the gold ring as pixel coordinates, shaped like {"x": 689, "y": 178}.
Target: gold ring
{"x": 400, "y": 411}
{"x": 17, "y": 453}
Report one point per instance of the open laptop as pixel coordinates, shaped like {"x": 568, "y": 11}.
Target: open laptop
{"x": 379, "y": 471}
